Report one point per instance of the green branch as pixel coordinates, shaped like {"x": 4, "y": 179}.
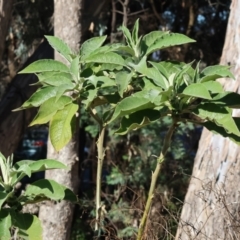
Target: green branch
{"x": 101, "y": 154}
{"x": 161, "y": 158}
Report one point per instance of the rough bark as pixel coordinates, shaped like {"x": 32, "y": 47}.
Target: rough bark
{"x": 57, "y": 217}
{"x": 13, "y": 124}
{"x": 5, "y": 17}
{"x": 212, "y": 205}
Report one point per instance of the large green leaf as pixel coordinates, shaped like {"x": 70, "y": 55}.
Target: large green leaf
{"x": 213, "y": 86}
{"x": 161, "y": 68}
{"x": 47, "y": 76}
{"x": 215, "y": 72}
{"x": 60, "y": 46}
{"x": 62, "y": 126}
{"x": 197, "y": 90}
{"x": 18, "y": 174}
{"x": 39, "y": 97}
{"x": 127, "y": 36}
{"x": 49, "y": 108}
{"x": 5, "y": 224}
{"x": 64, "y": 88}
{"x": 27, "y": 167}
{"x": 56, "y": 79}
{"x": 152, "y": 73}
{"x": 49, "y": 189}
{"x": 123, "y": 78}
{"x": 40, "y": 165}
{"x": 149, "y": 84}
{"x": 135, "y": 32}
{"x": 229, "y": 99}
{"x": 153, "y": 95}
{"x": 29, "y": 226}
{"x": 171, "y": 67}
{"x": 138, "y": 120}
{"x": 167, "y": 40}
{"x": 150, "y": 38}
{"x": 75, "y": 68}
{"x": 126, "y": 50}
{"x": 211, "y": 111}
{"x": 45, "y": 188}
{"x": 109, "y": 57}
{"x": 222, "y": 116}
{"x": 45, "y": 65}
{"x": 130, "y": 105}
{"x": 90, "y": 46}
{"x": 182, "y": 77}
{"x": 213, "y": 127}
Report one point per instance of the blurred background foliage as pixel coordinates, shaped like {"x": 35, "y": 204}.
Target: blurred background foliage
{"x": 131, "y": 158}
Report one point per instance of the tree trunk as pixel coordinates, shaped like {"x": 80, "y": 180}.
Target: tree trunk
{"x": 5, "y": 17}
{"x": 212, "y": 205}
{"x": 13, "y": 124}
{"x": 57, "y": 217}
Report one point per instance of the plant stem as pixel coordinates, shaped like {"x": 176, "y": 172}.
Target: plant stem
{"x": 101, "y": 153}
{"x": 161, "y": 158}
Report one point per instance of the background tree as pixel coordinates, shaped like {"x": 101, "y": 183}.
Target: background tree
{"x": 211, "y": 208}
{"x": 57, "y": 217}
{"x": 5, "y": 17}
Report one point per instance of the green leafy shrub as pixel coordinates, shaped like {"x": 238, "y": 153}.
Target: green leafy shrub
{"x": 116, "y": 82}
{"x": 27, "y": 225}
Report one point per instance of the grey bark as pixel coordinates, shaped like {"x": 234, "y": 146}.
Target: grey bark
{"x": 212, "y": 205}
{"x": 5, "y": 17}
{"x": 57, "y": 217}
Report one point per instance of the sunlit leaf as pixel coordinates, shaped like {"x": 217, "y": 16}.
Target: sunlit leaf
{"x": 45, "y": 65}
{"x": 127, "y": 50}
{"x": 90, "y": 46}
{"x": 128, "y": 36}
{"x": 27, "y": 167}
{"x": 215, "y": 72}
{"x": 74, "y": 68}
{"x": 167, "y": 40}
{"x": 39, "y": 97}
{"x": 49, "y": 189}
{"x": 152, "y": 73}
{"x": 123, "y": 78}
{"x": 150, "y": 38}
{"x": 62, "y": 126}
{"x": 56, "y": 80}
{"x": 110, "y": 57}
{"x": 48, "y": 109}
{"x": 60, "y": 46}
{"x": 135, "y": 31}
{"x": 213, "y": 87}
{"x": 60, "y": 90}
{"x": 197, "y": 90}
